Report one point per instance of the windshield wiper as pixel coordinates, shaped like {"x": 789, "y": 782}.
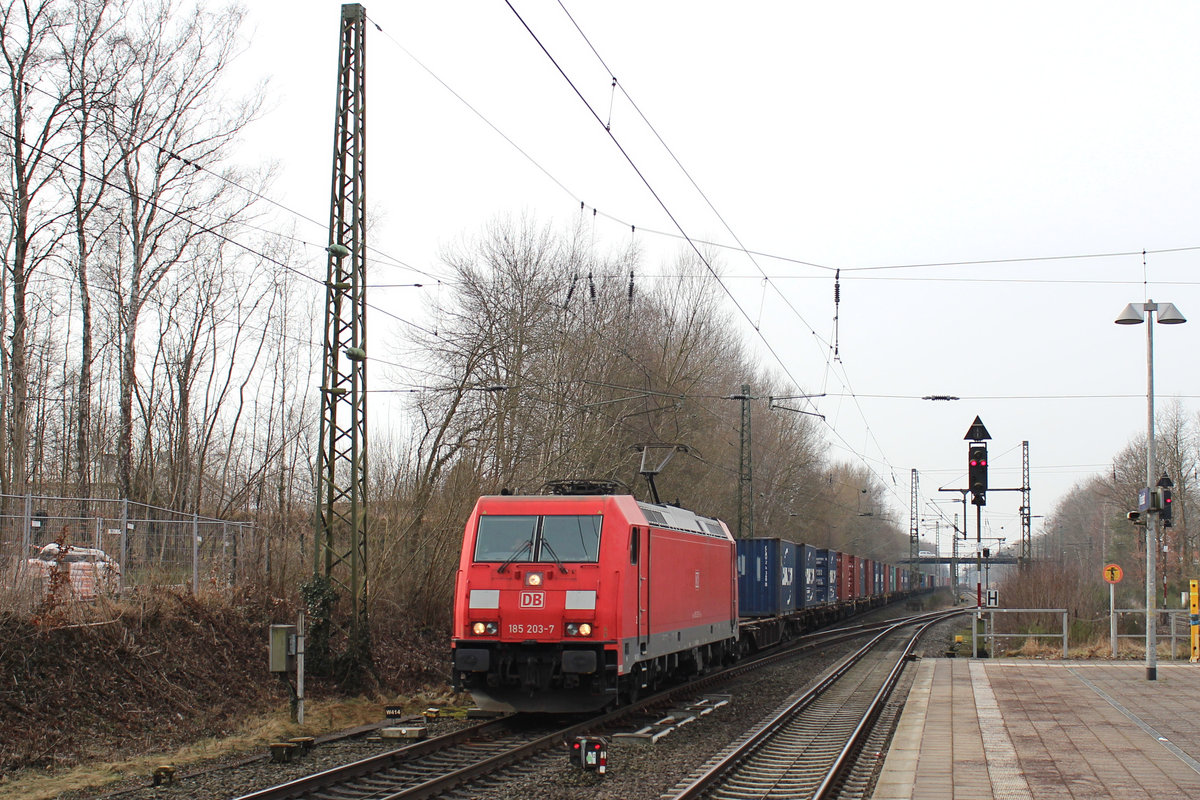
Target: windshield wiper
{"x": 558, "y": 561}
{"x": 528, "y": 545}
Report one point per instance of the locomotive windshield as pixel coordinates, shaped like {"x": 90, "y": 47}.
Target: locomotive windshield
{"x": 548, "y": 539}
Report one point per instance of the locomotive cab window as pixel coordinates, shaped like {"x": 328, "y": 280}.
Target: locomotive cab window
{"x": 559, "y": 538}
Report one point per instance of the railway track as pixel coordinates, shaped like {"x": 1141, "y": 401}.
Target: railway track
{"x": 465, "y": 762}
{"x": 807, "y": 748}
{"x": 424, "y": 769}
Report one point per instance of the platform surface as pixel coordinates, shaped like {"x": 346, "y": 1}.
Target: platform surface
{"x": 1053, "y": 730}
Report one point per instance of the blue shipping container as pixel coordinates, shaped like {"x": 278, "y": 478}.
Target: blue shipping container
{"x": 766, "y": 577}
{"x": 831, "y": 568}
{"x": 812, "y": 579}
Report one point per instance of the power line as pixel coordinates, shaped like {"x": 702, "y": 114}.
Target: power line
{"x": 210, "y": 230}
{"x": 662, "y": 204}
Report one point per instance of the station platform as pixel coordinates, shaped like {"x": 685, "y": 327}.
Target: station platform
{"x": 1013, "y": 729}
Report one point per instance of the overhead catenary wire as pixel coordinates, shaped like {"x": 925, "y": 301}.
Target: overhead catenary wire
{"x": 774, "y": 278}
{"x": 680, "y": 228}
{"x": 175, "y": 213}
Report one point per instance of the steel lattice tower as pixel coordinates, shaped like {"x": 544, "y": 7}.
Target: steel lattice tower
{"x": 745, "y": 472}
{"x": 1026, "y": 519}
{"x": 914, "y": 529}
{"x": 340, "y": 554}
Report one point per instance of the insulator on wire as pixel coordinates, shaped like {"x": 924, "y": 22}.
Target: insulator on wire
{"x": 631, "y": 288}
{"x": 570, "y": 290}
{"x": 837, "y": 299}
{"x": 591, "y": 287}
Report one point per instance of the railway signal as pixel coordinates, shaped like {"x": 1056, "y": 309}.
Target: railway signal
{"x": 977, "y": 460}
{"x": 590, "y": 752}
{"x": 1165, "y": 507}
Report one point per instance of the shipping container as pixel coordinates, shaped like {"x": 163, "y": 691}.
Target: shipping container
{"x": 846, "y": 577}
{"x": 831, "y": 576}
{"x": 815, "y": 580}
{"x": 825, "y": 577}
{"x": 767, "y": 572}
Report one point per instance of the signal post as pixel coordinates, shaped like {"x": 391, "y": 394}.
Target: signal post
{"x": 977, "y": 460}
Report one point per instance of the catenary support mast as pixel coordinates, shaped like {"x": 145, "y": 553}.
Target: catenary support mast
{"x": 340, "y": 553}
{"x": 1026, "y": 518}
{"x": 914, "y": 531}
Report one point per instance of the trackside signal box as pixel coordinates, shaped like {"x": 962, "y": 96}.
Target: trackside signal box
{"x": 590, "y": 752}
{"x": 282, "y": 654}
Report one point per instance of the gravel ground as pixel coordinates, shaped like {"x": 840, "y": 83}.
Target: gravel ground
{"x": 636, "y": 770}
{"x": 643, "y": 771}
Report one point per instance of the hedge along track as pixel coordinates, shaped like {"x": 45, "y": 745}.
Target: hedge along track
{"x": 496, "y": 748}
{"x": 808, "y": 745}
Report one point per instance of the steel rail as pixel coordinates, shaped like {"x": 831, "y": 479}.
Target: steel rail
{"x": 718, "y": 771}
{"x": 868, "y": 720}
{"x": 370, "y": 769}
{"x": 377, "y": 763}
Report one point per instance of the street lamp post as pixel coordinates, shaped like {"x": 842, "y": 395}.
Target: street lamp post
{"x": 1135, "y": 314}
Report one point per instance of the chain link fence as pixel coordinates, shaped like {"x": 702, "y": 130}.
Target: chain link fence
{"x": 153, "y": 546}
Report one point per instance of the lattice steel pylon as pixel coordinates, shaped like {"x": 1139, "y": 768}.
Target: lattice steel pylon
{"x": 1026, "y": 518}
{"x": 340, "y": 553}
{"x": 745, "y": 470}
{"x": 914, "y": 530}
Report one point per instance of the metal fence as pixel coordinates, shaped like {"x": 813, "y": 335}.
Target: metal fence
{"x": 153, "y": 545}
{"x": 1172, "y": 625}
{"x": 990, "y": 635}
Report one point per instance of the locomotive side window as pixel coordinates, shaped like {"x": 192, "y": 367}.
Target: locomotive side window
{"x": 570, "y": 538}
{"x": 502, "y": 538}
{"x": 634, "y": 537}
{"x": 550, "y": 539}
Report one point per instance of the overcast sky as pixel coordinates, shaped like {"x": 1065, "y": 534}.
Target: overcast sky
{"x": 985, "y": 177}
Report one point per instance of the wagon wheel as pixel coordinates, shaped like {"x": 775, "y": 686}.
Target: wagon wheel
{"x": 633, "y": 688}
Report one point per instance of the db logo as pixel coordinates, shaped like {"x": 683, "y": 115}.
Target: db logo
{"x": 533, "y": 599}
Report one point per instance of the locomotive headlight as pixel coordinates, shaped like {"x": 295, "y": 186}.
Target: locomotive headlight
{"x": 572, "y": 629}
{"x": 579, "y": 629}
{"x": 485, "y": 629}
{"x": 533, "y": 579}
{"x": 585, "y": 629}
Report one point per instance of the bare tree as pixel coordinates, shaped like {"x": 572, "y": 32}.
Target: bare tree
{"x": 172, "y": 131}
{"x": 91, "y": 77}
{"x": 36, "y": 109}
{"x": 215, "y": 338}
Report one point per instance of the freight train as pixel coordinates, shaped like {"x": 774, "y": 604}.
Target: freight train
{"x": 576, "y": 602}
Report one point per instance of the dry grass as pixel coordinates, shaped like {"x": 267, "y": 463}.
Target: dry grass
{"x": 122, "y": 681}
{"x": 253, "y": 734}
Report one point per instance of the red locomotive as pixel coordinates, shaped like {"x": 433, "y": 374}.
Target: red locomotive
{"x": 568, "y": 603}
